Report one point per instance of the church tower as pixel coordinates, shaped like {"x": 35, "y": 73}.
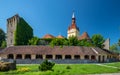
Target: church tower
{"x": 73, "y": 30}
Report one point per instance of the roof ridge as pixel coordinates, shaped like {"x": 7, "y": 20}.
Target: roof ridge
{"x": 94, "y": 50}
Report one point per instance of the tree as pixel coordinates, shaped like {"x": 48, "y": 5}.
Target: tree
{"x": 2, "y": 36}
{"x": 98, "y": 40}
{"x": 119, "y": 42}
{"x": 116, "y": 47}
{"x": 3, "y": 44}
{"x": 46, "y": 41}
{"x": 73, "y": 41}
{"x": 57, "y": 42}
{"x": 84, "y": 42}
{"x": 113, "y": 47}
{"x": 23, "y": 33}
{"x": 34, "y": 41}
{"x": 42, "y": 42}
{"x": 66, "y": 42}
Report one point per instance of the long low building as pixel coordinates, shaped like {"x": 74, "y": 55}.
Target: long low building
{"x": 58, "y": 53}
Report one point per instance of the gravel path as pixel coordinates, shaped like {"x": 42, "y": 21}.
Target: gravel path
{"x": 107, "y": 73}
{"x": 106, "y": 66}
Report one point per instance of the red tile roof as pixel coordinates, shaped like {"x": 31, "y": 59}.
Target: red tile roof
{"x": 84, "y": 36}
{"x": 66, "y": 50}
{"x": 48, "y": 36}
{"x": 60, "y": 36}
{"x": 73, "y": 26}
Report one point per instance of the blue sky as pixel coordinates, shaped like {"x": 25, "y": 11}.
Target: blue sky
{"x": 54, "y": 16}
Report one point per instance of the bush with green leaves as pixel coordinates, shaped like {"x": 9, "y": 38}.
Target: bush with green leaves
{"x": 46, "y": 65}
{"x": 68, "y": 67}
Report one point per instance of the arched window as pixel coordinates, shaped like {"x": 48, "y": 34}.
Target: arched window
{"x": 86, "y": 57}
{"x": 107, "y": 56}
{"x": 27, "y": 56}
{"x": 99, "y": 58}
{"x": 10, "y": 56}
{"x": 103, "y": 58}
{"x": 76, "y": 56}
{"x": 19, "y": 56}
{"x": 39, "y": 56}
{"x": 93, "y": 57}
{"x": 58, "y": 57}
{"x": 67, "y": 56}
{"x": 49, "y": 56}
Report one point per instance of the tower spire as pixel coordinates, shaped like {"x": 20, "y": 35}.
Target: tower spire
{"x": 73, "y": 18}
{"x": 73, "y": 30}
{"x": 73, "y": 15}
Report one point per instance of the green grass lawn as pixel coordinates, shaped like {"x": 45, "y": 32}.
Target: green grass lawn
{"x": 60, "y": 69}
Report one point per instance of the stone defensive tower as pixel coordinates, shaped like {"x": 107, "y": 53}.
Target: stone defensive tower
{"x": 11, "y": 27}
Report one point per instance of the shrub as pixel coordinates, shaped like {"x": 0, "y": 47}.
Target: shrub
{"x": 24, "y": 69}
{"x": 68, "y": 67}
{"x": 46, "y": 65}
{"x": 118, "y": 69}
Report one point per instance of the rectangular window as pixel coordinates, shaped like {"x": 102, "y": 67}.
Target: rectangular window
{"x": 11, "y": 41}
